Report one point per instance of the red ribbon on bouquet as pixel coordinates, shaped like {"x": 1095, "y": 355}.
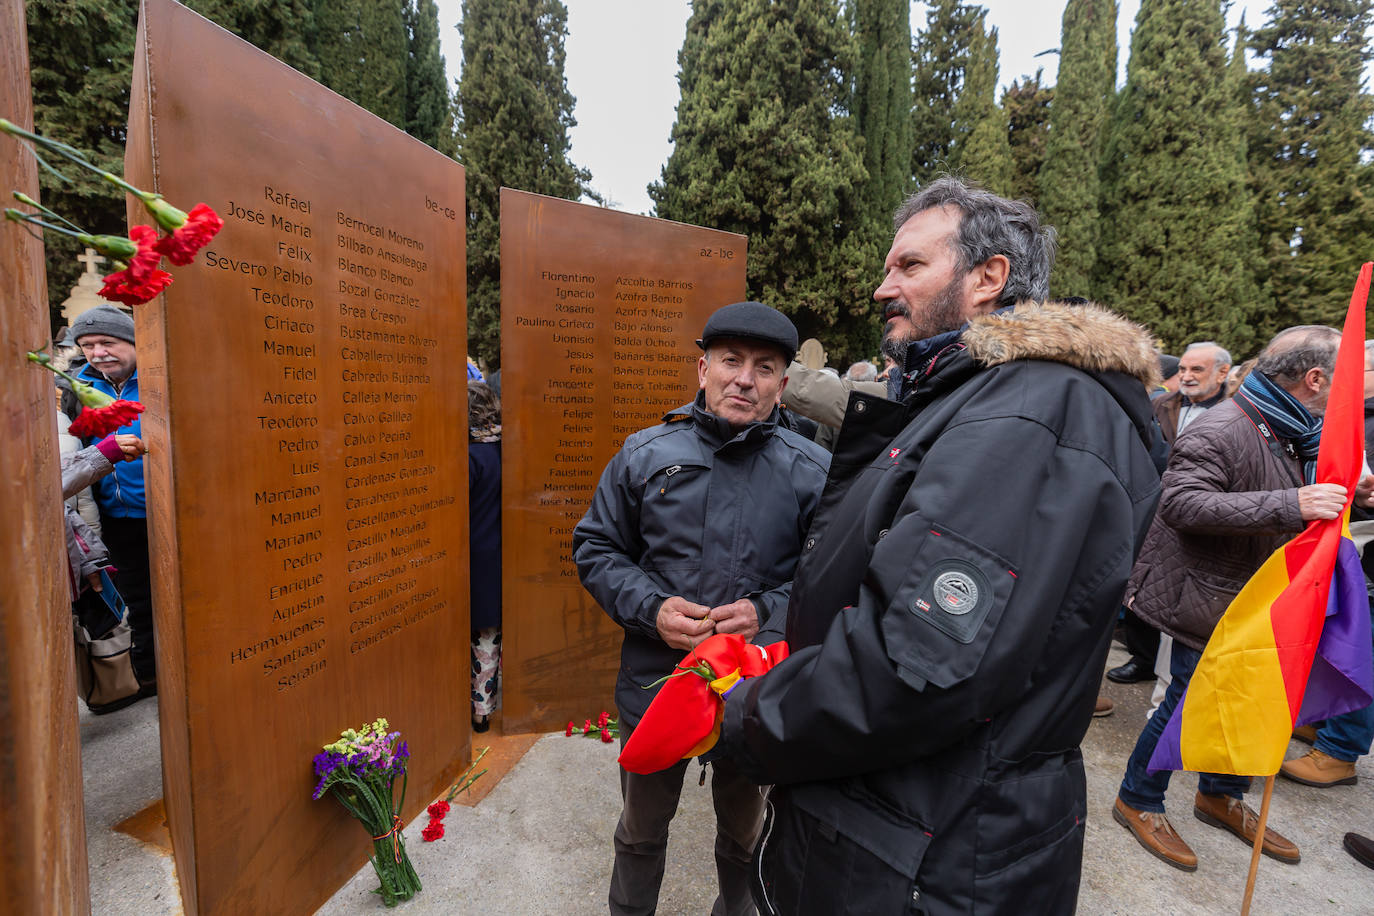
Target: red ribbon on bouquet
{"x": 684, "y": 719}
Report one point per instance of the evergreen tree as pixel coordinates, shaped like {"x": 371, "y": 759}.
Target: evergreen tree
{"x": 985, "y": 154}
{"x": 1068, "y": 181}
{"x": 361, "y": 45}
{"x": 1306, "y": 134}
{"x": 81, "y": 55}
{"x": 1027, "y": 103}
{"x": 514, "y": 111}
{"x": 940, "y": 55}
{"x": 1178, "y": 242}
{"x": 429, "y": 109}
{"x": 882, "y": 101}
{"x": 762, "y": 147}
{"x": 282, "y": 28}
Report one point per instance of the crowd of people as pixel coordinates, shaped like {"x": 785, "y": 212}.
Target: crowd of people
{"x": 948, "y": 552}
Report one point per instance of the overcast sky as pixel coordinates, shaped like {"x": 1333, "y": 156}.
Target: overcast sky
{"x": 622, "y": 67}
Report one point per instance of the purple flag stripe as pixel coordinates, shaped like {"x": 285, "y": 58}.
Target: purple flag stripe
{"x": 1343, "y": 668}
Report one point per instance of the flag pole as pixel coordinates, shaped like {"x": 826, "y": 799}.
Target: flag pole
{"x": 1259, "y": 845}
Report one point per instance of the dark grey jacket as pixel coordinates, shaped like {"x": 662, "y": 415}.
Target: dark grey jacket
{"x": 690, "y": 508}
{"x": 949, "y": 623}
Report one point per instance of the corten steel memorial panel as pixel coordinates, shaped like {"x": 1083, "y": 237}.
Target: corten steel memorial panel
{"x": 600, "y": 312}
{"x": 306, "y": 421}
{"x": 41, "y": 812}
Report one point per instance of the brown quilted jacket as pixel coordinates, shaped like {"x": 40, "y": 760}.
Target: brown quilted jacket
{"x": 1227, "y": 503}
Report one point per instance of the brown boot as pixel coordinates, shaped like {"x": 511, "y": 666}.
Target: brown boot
{"x": 1153, "y": 831}
{"x": 1307, "y": 734}
{"x": 1234, "y": 815}
{"x": 1104, "y": 707}
{"x": 1321, "y": 770}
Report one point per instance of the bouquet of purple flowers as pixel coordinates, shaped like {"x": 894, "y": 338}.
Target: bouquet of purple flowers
{"x": 359, "y": 770}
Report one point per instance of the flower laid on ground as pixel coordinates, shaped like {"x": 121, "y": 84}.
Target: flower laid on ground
{"x": 606, "y": 728}
{"x": 137, "y": 277}
{"x": 434, "y": 830}
{"x": 360, "y": 770}
{"x": 100, "y": 414}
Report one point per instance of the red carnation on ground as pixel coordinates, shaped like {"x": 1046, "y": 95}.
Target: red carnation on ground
{"x": 438, "y": 809}
{"x": 605, "y": 736}
{"x": 434, "y": 831}
{"x": 99, "y": 422}
{"x": 602, "y": 719}
{"x": 180, "y": 245}
{"x": 571, "y": 728}
{"x": 587, "y": 727}
{"x": 122, "y": 286}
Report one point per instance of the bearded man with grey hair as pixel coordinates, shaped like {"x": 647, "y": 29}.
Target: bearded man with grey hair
{"x": 953, "y": 606}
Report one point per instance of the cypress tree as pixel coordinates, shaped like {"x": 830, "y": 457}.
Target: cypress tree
{"x": 940, "y": 55}
{"x": 1027, "y": 103}
{"x": 429, "y": 109}
{"x": 985, "y": 154}
{"x": 81, "y": 55}
{"x": 361, "y": 45}
{"x": 882, "y": 101}
{"x": 514, "y": 113}
{"x": 1306, "y": 135}
{"x": 762, "y": 146}
{"x": 1177, "y": 251}
{"x": 282, "y": 28}
{"x": 1068, "y": 181}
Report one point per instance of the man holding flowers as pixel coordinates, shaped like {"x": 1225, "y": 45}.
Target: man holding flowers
{"x": 695, "y": 529}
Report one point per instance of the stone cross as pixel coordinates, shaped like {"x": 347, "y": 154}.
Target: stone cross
{"x": 90, "y": 259}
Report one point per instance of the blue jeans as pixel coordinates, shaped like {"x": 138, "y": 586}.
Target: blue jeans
{"x": 1143, "y": 790}
{"x": 1348, "y": 736}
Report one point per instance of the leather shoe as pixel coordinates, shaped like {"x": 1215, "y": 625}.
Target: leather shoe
{"x": 1236, "y": 816}
{"x": 1104, "y": 707}
{"x": 1133, "y": 672}
{"x": 1319, "y": 770}
{"x": 1153, "y": 831}
{"x": 1361, "y": 847}
{"x": 1307, "y": 734}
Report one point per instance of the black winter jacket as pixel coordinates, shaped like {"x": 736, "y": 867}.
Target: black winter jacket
{"x": 949, "y": 623}
{"x": 691, "y": 508}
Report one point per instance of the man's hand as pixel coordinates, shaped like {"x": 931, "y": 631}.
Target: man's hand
{"x": 682, "y": 624}
{"x": 94, "y": 580}
{"x": 1321, "y": 501}
{"x": 737, "y": 617}
{"x": 1364, "y": 492}
{"x": 134, "y": 449}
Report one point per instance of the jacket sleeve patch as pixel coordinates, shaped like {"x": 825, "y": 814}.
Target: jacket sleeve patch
{"x": 942, "y": 618}
{"x": 954, "y": 597}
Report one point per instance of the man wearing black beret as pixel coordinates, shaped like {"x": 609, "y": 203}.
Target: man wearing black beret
{"x": 695, "y": 528}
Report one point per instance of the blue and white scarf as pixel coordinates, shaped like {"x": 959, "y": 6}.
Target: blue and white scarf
{"x": 1287, "y": 417}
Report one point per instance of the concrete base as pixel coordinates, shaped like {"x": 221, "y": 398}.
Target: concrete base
{"x": 540, "y": 842}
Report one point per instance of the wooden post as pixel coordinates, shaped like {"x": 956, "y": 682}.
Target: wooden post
{"x": 1259, "y": 845}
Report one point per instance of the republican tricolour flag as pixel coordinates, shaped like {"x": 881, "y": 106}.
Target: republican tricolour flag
{"x": 1294, "y": 645}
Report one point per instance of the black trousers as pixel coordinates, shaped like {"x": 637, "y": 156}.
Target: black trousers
{"x": 641, "y": 837}
{"x": 1142, "y": 640}
{"x": 127, "y": 540}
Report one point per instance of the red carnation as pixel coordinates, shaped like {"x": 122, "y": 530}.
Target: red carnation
{"x": 99, "y": 422}
{"x": 180, "y": 246}
{"x": 434, "y": 831}
{"x": 587, "y": 727}
{"x": 606, "y": 736}
{"x": 571, "y": 728}
{"x": 144, "y": 262}
{"x": 123, "y": 286}
{"x": 602, "y": 719}
{"x": 438, "y": 809}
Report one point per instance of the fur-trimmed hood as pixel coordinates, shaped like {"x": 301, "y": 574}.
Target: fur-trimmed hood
{"x": 1087, "y": 337}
